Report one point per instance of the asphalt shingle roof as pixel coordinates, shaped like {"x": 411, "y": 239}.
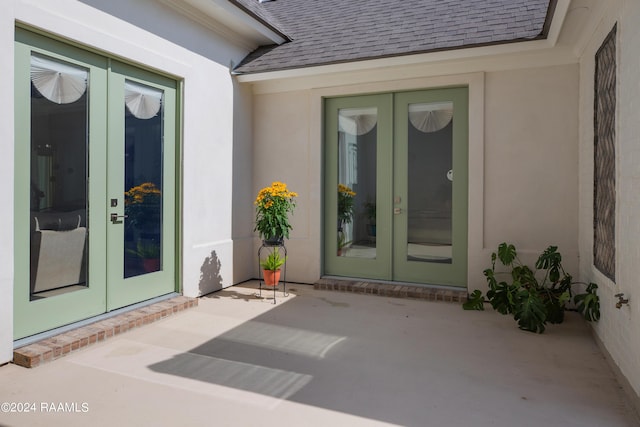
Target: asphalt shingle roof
{"x": 333, "y": 31}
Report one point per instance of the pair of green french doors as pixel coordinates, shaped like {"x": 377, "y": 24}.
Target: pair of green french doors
{"x": 396, "y": 186}
{"x": 95, "y": 144}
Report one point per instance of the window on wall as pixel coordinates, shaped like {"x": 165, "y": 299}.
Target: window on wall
{"x": 604, "y": 200}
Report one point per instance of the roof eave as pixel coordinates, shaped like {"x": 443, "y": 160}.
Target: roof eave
{"x": 547, "y": 39}
{"x": 403, "y": 60}
{"x": 282, "y": 36}
{"x": 556, "y": 15}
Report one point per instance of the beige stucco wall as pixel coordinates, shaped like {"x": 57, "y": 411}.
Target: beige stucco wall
{"x": 531, "y": 162}
{"x": 242, "y": 219}
{"x": 523, "y": 160}
{"x": 283, "y": 151}
{"x": 618, "y": 329}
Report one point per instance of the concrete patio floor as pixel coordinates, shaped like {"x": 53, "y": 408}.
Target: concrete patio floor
{"x": 321, "y": 358}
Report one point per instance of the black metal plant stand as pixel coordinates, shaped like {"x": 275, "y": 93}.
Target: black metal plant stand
{"x": 280, "y": 246}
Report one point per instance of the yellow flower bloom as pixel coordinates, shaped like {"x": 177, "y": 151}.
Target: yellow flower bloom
{"x": 138, "y": 193}
{"x": 273, "y": 204}
{"x": 345, "y": 204}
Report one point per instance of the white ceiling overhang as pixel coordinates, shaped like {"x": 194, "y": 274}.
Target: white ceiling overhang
{"x": 229, "y": 21}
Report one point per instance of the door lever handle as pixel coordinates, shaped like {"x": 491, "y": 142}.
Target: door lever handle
{"x": 115, "y": 218}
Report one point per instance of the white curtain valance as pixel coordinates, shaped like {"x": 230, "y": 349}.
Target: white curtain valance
{"x": 143, "y": 102}
{"x": 59, "y": 82}
{"x": 429, "y": 118}
{"x": 357, "y": 121}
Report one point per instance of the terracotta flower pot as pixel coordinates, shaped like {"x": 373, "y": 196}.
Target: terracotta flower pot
{"x": 151, "y": 264}
{"x": 271, "y": 277}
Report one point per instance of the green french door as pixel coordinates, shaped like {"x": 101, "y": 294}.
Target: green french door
{"x": 94, "y": 199}
{"x": 141, "y": 186}
{"x": 393, "y": 210}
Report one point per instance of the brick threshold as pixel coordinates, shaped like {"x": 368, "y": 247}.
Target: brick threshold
{"x": 52, "y": 348}
{"x": 424, "y": 292}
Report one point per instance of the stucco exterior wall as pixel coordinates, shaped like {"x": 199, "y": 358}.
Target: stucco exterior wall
{"x": 283, "y": 151}
{"x": 531, "y": 163}
{"x": 153, "y": 36}
{"x": 523, "y": 161}
{"x": 242, "y": 220}
{"x": 618, "y": 329}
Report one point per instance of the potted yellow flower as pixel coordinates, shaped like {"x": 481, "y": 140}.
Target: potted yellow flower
{"x": 345, "y": 205}
{"x": 143, "y": 206}
{"x": 345, "y": 214}
{"x": 273, "y": 206}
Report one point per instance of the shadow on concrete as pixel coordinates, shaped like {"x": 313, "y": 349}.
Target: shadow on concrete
{"x": 405, "y": 362}
{"x": 230, "y": 293}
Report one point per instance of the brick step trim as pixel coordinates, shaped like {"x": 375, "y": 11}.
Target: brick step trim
{"x": 425, "y": 292}
{"x": 52, "y": 348}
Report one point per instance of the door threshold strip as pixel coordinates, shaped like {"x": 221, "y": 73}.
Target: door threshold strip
{"x": 394, "y": 290}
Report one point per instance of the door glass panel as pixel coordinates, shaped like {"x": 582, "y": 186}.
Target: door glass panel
{"x": 58, "y": 190}
{"x": 430, "y": 178}
{"x": 357, "y": 163}
{"x": 143, "y": 181}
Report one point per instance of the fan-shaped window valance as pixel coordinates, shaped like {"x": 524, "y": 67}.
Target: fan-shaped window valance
{"x": 142, "y": 101}
{"x": 430, "y": 117}
{"x": 357, "y": 121}
{"x": 57, "y": 81}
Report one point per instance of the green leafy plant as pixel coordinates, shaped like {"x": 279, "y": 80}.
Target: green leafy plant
{"x": 273, "y": 261}
{"x": 589, "y": 303}
{"x": 475, "y": 301}
{"x": 273, "y": 206}
{"x": 146, "y": 249}
{"x": 370, "y": 209}
{"x": 533, "y": 297}
{"x": 342, "y": 242}
{"x": 370, "y": 212}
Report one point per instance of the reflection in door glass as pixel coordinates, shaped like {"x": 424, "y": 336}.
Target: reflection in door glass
{"x": 143, "y": 179}
{"x": 58, "y": 191}
{"x": 356, "y": 211}
{"x": 430, "y": 177}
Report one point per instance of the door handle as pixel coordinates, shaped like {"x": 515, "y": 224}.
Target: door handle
{"x": 397, "y": 211}
{"x": 115, "y": 218}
